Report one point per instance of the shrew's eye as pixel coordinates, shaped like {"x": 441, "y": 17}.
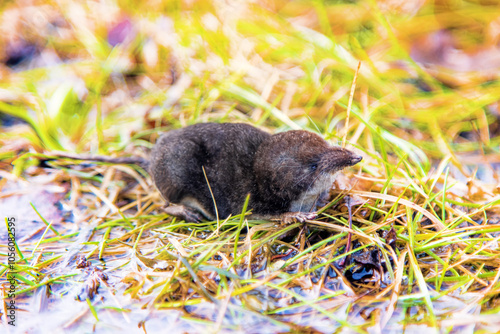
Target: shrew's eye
{"x": 313, "y": 166}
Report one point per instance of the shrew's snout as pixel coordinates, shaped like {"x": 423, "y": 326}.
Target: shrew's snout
{"x": 355, "y": 159}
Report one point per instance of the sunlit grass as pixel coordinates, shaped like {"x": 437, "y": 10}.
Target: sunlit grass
{"x": 428, "y": 135}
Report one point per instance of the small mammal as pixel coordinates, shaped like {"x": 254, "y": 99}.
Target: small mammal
{"x": 209, "y": 165}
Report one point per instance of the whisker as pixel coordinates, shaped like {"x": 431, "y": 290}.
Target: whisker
{"x": 303, "y": 177}
{"x": 312, "y": 182}
{"x": 289, "y": 166}
{"x": 320, "y": 172}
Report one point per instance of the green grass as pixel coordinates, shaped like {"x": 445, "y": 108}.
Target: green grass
{"x": 429, "y": 136}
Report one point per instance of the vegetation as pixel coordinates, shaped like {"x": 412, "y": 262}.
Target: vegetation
{"x": 106, "y": 77}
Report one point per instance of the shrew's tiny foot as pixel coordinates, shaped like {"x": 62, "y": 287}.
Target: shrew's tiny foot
{"x": 290, "y": 217}
{"x": 182, "y": 212}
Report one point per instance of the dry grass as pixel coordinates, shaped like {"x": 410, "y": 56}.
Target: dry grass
{"x": 107, "y": 77}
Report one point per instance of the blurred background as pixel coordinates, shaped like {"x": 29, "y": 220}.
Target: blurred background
{"x": 99, "y": 75}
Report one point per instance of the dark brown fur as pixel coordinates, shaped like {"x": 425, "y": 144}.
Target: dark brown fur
{"x": 238, "y": 159}
{"x": 206, "y": 171}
